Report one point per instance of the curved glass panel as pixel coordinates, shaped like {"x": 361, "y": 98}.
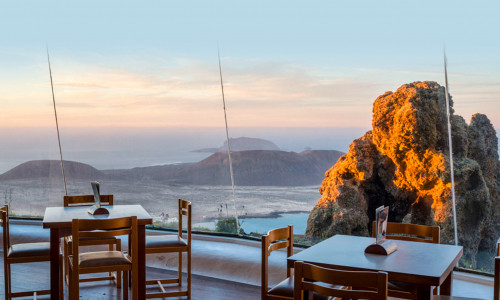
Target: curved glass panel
{"x": 140, "y": 110}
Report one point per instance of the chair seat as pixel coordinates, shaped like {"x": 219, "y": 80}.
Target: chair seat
{"x": 285, "y": 289}
{"x": 29, "y": 250}
{"x": 102, "y": 258}
{"x": 163, "y": 241}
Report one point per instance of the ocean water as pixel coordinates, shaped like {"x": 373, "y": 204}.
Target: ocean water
{"x": 263, "y": 225}
{"x": 123, "y": 148}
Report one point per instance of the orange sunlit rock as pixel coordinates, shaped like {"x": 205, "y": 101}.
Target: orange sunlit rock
{"x": 404, "y": 162}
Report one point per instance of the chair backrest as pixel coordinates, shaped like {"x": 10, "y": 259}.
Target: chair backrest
{"x": 102, "y": 228}
{"x": 4, "y": 220}
{"x": 185, "y": 210}
{"x": 410, "y": 232}
{"x": 360, "y": 284}
{"x": 275, "y": 239}
{"x": 86, "y": 200}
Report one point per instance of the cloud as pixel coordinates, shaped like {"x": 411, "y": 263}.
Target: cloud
{"x": 186, "y": 92}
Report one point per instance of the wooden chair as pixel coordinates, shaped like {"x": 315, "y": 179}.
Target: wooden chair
{"x": 171, "y": 244}
{"x": 331, "y": 282}
{"x": 274, "y": 240}
{"x": 23, "y": 253}
{"x": 277, "y": 239}
{"x": 103, "y": 261}
{"x": 413, "y": 233}
{"x": 88, "y": 200}
{"x": 496, "y": 283}
{"x": 496, "y": 288}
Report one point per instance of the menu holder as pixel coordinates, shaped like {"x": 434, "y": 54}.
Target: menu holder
{"x": 97, "y": 209}
{"x": 384, "y": 248}
{"x": 94, "y": 210}
{"x": 381, "y": 245}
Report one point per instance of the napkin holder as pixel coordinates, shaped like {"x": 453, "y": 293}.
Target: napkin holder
{"x": 385, "y": 247}
{"x": 94, "y": 210}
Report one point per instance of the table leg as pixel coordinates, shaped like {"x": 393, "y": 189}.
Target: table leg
{"x": 424, "y": 292}
{"x": 141, "y": 245}
{"x": 445, "y": 288}
{"x": 54, "y": 264}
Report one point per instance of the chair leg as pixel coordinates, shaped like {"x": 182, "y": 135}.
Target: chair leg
{"x": 125, "y": 284}
{"x": 70, "y": 285}
{"x": 189, "y": 274}
{"x": 118, "y": 273}
{"x": 74, "y": 285}
{"x": 135, "y": 285}
{"x": 65, "y": 254}
{"x": 180, "y": 269}
{"x": 6, "y": 274}
{"x": 61, "y": 275}
{"x": 110, "y": 248}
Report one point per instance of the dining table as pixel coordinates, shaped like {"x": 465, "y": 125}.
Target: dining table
{"x": 59, "y": 219}
{"x": 422, "y": 264}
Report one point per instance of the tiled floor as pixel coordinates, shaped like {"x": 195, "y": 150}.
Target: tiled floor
{"x": 36, "y": 276}
{"x": 473, "y": 286}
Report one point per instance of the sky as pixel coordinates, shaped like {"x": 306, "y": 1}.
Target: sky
{"x": 285, "y": 64}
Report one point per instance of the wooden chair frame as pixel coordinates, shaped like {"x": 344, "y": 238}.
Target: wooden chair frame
{"x": 412, "y": 233}
{"x": 103, "y": 228}
{"x": 496, "y": 283}
{"x": 8, "y": 261}
{"x": 275, "y": 239}
{"x": 496, "y": 286}
{"x": 184, "y": 210}
{"x": 361, "y": 284}
{"x": 88, "y": 200}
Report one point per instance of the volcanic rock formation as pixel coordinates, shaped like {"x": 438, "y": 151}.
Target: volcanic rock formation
{"x": 403, "y": 162}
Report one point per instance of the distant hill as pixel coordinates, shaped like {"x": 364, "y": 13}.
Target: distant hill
{"x": 259, "y": 167}
{"x": 155, "y": 173}
{"x": 243, "y": 144}
{"x": 251, "y": 168}
{"x": 52, "y": 169}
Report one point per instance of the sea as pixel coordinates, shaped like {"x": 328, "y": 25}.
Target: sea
{"x": 263, "y": 225}
{"x": 125, "y": 148}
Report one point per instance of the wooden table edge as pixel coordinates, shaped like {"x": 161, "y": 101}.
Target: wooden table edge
{"x": 51, "y": 225}
{"x": 396, "y": 276}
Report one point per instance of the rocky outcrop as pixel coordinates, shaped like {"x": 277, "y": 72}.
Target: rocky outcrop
{"x": 403, "y": 162}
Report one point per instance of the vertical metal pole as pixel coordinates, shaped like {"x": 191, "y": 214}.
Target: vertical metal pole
{"x": 57, "y": 125}
{"x": 448, "y": 119}
{"x": 228, "y": 148}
